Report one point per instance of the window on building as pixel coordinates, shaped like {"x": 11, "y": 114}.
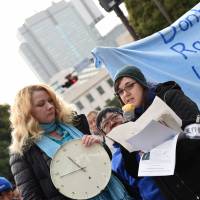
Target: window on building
{"x": 98, "y": 108}
{"x": 90, "y": 97}
{"x": 100, "y": 90}
{"x": 79, "y": 105}
{"x": 110, "y": 82}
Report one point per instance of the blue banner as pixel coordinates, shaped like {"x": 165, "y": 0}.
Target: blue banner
{"x": 170, "y": 54}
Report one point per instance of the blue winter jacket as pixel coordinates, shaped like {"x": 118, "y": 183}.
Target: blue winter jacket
{"x": 146, "y": 185}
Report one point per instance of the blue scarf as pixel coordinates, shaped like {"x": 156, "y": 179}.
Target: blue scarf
{"x": 113, "y": 191}
{"x": 48, "y": 145}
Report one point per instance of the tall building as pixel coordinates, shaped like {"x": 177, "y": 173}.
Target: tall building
{"x": 61, "y": 36}
{"x": 58, "y": 41}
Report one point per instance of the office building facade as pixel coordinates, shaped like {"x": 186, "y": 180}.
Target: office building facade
{"x": 61, "y": 37}
{"x": 59, "y": 40}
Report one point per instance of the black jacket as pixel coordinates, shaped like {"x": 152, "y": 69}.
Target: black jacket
{"x": 184, "y": 184}
{"x": 32, "y": 174}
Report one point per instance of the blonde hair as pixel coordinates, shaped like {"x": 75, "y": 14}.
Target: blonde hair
{"x": 25, "y": 128}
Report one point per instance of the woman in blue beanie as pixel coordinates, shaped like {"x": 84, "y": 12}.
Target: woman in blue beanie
{"x": 131, "y": 87}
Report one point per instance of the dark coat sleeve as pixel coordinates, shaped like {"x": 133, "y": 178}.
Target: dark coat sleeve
{"x": 187, "y": 152}
{"x": 187, "y": 110}
{"x": 25, "y": 179}
{"x": 82, "y": 124}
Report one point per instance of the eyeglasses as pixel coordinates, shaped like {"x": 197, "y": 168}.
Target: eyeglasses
{"x": 115, "y": 117}
{"x": 129, "y": 86}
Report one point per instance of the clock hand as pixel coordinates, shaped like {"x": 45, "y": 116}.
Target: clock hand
{"x": 73, "y": 171}
{"x": 75, "y": 163}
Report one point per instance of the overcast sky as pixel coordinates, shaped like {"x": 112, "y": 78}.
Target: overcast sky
{"x": 14, "y": 72}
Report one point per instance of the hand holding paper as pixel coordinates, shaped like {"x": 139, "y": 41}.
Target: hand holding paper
{"x": 147, "y": 132}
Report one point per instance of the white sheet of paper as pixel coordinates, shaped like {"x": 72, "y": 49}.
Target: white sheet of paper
{"x": 160, "y": 161}
{"x": 151, "y": 136}
{"x": 158, "y": 111}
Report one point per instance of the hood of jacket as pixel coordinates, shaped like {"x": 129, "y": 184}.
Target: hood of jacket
{"x": 162, "y": 88}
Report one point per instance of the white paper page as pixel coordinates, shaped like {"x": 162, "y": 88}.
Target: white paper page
{"x": 158, "y": 111}
{"x": 122, "y": 133}
{"x": 151, "y": 136}
{"x": 160, "y": 161}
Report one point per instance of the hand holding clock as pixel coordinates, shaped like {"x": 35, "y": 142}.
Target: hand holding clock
{"x": 89, "y": 140}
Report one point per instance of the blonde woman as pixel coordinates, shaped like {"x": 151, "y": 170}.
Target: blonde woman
{"x": 37, "y": 112}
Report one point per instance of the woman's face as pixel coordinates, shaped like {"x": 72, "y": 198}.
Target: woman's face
{"x": 43, "y": 109}
{"x": 130, "y": 91}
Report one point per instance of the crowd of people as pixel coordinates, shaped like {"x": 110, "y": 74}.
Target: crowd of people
{"x": 39, "y": 118}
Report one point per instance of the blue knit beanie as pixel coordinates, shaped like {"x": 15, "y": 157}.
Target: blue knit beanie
{"x": 5, "y": 184}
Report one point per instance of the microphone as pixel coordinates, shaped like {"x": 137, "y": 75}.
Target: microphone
{"x": 128, "y": 112}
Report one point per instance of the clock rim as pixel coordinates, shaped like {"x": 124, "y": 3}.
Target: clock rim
{"x": 108, "y": 176}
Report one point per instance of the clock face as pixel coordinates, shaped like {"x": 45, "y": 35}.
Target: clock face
{"x": 80, "y": 172}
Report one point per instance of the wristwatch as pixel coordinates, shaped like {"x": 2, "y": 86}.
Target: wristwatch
{"x": 80, "y": 172}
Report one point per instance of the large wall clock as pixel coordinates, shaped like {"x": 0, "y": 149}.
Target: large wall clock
{"x": 80, "y": 172}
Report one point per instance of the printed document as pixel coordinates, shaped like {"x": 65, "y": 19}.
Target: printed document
{"x": 160, "y": 161}
{"x": 157, "y": 124}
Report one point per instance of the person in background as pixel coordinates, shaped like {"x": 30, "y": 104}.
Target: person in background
{"x": 141, "y": 188}
{"x": 39, "y": 117}
{"x": 130, "y": 86}
{"x": 105, "y": 126}
{"x": 91, "y": 117}
{"x": 108, "y": 118}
